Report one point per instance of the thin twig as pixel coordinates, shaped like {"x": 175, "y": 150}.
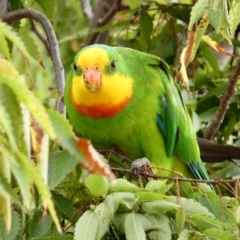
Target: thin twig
{"x": 181, "y": 179}
{"x": 52, "y": 42}
{"x": 87, "y": 9}
{"x": 224, "y": 103}
{"x": 36, "y": 31}
{"x": 114, "y": 152}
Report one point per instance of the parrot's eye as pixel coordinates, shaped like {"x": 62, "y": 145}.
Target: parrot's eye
{"x": 75, "y": 67}
{"x": 113, "y": 65}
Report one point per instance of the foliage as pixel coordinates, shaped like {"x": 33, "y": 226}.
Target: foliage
{"x": 41, "y": 183}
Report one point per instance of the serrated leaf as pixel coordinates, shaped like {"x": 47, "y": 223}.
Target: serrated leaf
{"x": 156, "y": 186}
{"x": 122, "y": 185}
{"x": 4, "y": 46}
{"x": 65, "y": 135}
{"x": 15, "y": 226}
{"x": 215, "y": 19}
{"x": 180, "y": 220}
{"x": 205, "y": 222}
{"x": 28, "y": 42}
{"x": 61, "y": 163}
{"x": 41, "y": 187}
{"x": 159, "y": 206}
{"x": 184, "y": 235}
{"x": 133, "y": 227}
{"x": 10, "y": 102}
{"x": 6, "y": 125}
{"x": 234, "y": 17}
{"x": 39, "y": 224}
{"x": 87, "y": 226}
{"x": 198, "y": 10}
{"x": 64, "y": 205}
{"x": 225, "y": 22}
{"x": 213, "y": 203}
{"x": 7, "y": 31}
{"x": 105, "y": 217}
{"x": 32, "y": 103}
{"x": 190, "y": 206}
{"x": 220, "y": 234}
{"x": 162, "y": 226}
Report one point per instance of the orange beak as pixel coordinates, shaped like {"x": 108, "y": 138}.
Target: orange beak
{"x": 92, "y": 79}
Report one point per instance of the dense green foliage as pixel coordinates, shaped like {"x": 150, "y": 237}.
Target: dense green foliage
{"x": 42, "y": 187}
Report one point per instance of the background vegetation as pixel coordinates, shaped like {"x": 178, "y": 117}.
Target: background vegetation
{"x": 44, "y": 193}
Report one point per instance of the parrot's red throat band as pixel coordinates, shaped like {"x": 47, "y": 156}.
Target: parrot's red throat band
{"x": 101, "y": 110}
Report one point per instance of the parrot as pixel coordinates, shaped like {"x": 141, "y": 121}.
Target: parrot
{"x": 118, "y": 96}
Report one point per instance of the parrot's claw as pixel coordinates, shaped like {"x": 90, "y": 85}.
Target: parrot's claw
{"x": 141, "y": 166}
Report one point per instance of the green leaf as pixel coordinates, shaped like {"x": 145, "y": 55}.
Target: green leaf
{"x": 4, "y": 46}
{"x": 122, "y": 185}
{"x": 6, "y": 124}
{"x": 159, "y": 206}
{"x": 190, "y": 206}
{"x": 133, "y": 3}
{"x": 65, "y": 206}
{"x": 133, "y": 227}
{"x": 184, "y": 235}
{"x": 215, "y": 19}
{"x": 39, "y": 224}
{"x": 148, "y": 196}
{"x": 105, "y": 217}
{"x": 61, "y": 163}
{"x": 10, "y": 102}
{"x": 65, "y": 134}
{"x": 97, "y": 184}
{"x": 32, "y": 103}
{"x": 146, "y": 26}
{"x": 162, "y": 227}
{"x": 28, "y": 42}
{"x": 180, "y": 220}
{"x": 220, "y": 234}
{"x": 41, "y": 187}
{"x": 15, "y": 226}
{"x": 205, "y": 222}
{"x": 156, "y": 186}
{"x": 54, "y": 237}
{"x": 213, "y": 203}
{"x": 7, "y": 31}
{"x": 200, "y": 7}
{"x": 87, "y": 226}
{"x": 234, "y": 17}
{"x": 48, "y": 7}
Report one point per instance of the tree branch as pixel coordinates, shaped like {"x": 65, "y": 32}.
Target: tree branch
{"x": 52, "y": 43}
{"x": 87, "y": 9}
{"x": 180, "y": 179}
{"x": 103, "y": 13}
{"x": 224, "y": 103}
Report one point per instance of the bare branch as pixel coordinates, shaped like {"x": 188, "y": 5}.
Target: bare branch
{"x": 224, "y": 103}
{"x": 87, "y": 9}
{"x": 181, "y": 179}
{"x": 52, "y": 42}
{"x": 104, "y": 12}
{"x": 4, "y": 7}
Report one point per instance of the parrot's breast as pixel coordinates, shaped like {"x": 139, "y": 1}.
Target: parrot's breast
{"x": 114, "y": 95}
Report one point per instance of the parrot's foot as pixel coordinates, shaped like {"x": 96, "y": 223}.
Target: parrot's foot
{"x": 142, "y": 166}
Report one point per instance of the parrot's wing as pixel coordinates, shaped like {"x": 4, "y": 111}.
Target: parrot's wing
{"x": 176, "y": 125}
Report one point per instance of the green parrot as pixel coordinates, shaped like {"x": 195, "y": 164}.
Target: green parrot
{"x": 127, "y": 98}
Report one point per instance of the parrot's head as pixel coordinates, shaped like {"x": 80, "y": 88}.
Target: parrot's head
{"x": 101, "y": 86}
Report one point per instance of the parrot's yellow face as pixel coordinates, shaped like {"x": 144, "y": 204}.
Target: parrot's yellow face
{"x": 98, "y": 88}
